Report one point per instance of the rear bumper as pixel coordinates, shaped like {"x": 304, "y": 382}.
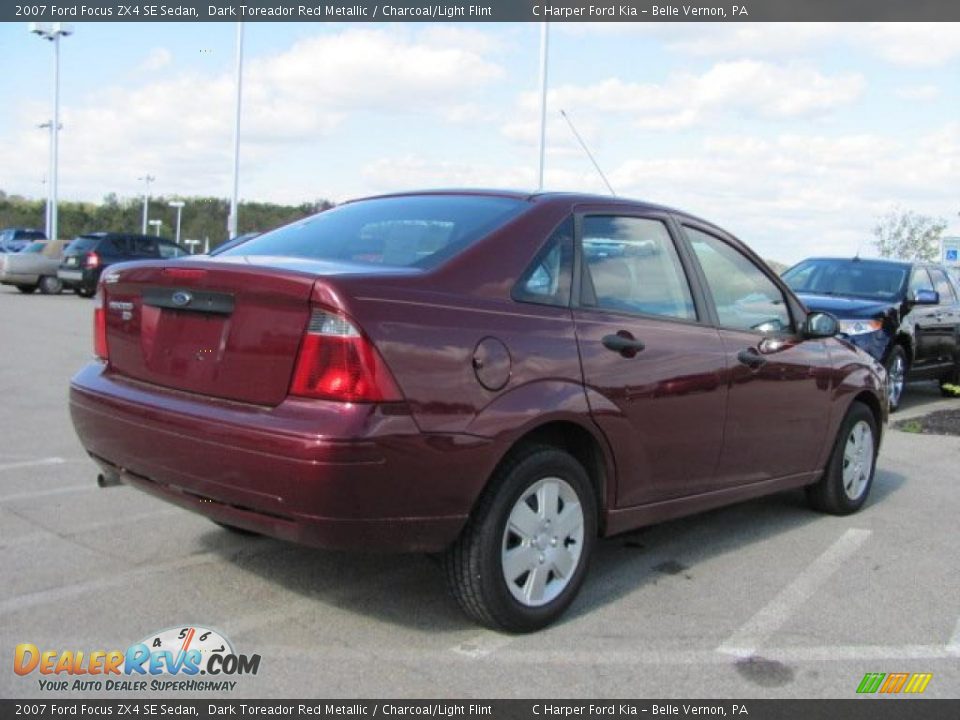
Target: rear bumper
{"x": 332, "y": 475}
{"x": 84, "y": 279}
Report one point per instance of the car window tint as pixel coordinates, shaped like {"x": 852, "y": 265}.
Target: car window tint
{"x": 745, "y": 298}
{"x": 169, "y": 250}
{"x": 143, "y": 247}
{"x": 942, "y": 285}
{"x": 547, "y": 281}
{"x": 632, "y": 266}
{"x": 920, "y": 280}
{"x": 114, "y": 246}
{"x": 408, "y": 231}
{"x": 83, "y": 244}
{"x": 856, "y": 277}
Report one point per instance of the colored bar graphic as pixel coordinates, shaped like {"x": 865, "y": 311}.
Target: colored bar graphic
{"x": 918, "y": 682}
{"x": 871, "y": 682}
{"x": 894, "y": 683}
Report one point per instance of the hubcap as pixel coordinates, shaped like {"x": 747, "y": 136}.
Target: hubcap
{"x": 857, "y": 460}
{"x": 542, "y": 542}
{"x": 895, "y": 375}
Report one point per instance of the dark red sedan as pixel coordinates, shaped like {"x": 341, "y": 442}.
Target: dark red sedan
{"x": 500, "y": 376}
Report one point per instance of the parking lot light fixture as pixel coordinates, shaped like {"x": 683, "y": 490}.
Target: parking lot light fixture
{"x": 178, "y": 204}
{"x": 232, "y": 220}
{"x": 146, "y": 180}
{"x": 156, "y": 224}
{"x": 53, "y": 32}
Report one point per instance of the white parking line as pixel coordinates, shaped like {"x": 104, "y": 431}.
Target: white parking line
{"x": 953, "y": 644}
{"x": 45, "y": 533}
{"x": 614, "y": 657}
{"x": 745, "y": 641}
{"x": 33, "y": 463}
{"x": 483, "y": 644}
{"x": 58, "y": 594}
{"x": 48, "y": 493}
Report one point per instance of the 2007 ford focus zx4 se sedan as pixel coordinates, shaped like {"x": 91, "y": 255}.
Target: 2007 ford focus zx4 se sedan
{"x": 497, "y": 376}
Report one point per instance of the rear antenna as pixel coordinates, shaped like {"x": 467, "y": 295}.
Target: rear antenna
{"x": 587, "y": 151}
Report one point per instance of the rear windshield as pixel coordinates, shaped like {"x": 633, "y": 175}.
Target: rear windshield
{"x": 419, "y": 231}
{"x": 82, "y": 244}
{"x": 855, "y": 278}
{"x": 34, "y": 248}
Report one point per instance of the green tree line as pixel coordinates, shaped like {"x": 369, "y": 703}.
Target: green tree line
{"x": 202, "y": 217}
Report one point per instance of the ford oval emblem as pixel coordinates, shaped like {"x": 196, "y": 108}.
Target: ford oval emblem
{"x": 181, "y": 298}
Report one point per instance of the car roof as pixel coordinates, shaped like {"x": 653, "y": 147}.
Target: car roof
{"x": 879, "y": 261}
{"x": 102, "y": 235}
{"x": 572, "y": 198}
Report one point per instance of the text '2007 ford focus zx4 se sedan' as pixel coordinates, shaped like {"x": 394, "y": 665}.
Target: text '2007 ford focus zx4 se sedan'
{"x": 499, "y": 376}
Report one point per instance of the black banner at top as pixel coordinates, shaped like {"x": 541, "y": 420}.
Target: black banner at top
{"x": 480, "y": 10}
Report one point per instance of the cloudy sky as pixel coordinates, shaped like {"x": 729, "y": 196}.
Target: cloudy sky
{"x": 796, "y": 137}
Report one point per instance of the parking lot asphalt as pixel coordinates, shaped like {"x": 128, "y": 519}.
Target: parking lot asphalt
{"x": 763, "y": 599}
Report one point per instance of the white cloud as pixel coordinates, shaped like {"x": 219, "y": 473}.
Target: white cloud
{"x": 802, "y": 194}
{"x": 918, "y": 92}
{"x": 919, "y": 45}
{"x": 157, "y": 59}
{"x": 684, "y": 100}
{"x": 179, "y": 128}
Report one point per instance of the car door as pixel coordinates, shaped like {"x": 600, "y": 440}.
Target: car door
{"x": 778, "y": 383}
{"x": 946, "y": 316}
{"x": 652, "y": 362}
{"x": 921, "y": 322}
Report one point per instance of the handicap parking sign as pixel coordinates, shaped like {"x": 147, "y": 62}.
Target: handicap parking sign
{"x": 952, "y": 255}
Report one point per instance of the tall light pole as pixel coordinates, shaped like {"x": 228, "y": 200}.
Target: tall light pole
{"x": 544, "y": 46}
{"x": 49, "y": 127}
{"x": 146, "y": 180}
{"x": 178, "y": 204}
{"x": 53, "y": 32}
{"x": 232, "y": 219}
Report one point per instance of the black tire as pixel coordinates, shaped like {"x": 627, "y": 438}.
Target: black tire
{"x": 474, "y": 564}
{"x": 83, "y": 292}
{"x": 26, "y": 289}
{"x": 50, "y": 285}
{"x": 829, "y": 494}
{"x": 894, "y": 392}
{"x": 237, "y": 530}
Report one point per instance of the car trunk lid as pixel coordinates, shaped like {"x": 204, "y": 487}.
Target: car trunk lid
{"x": 227, "y": 331}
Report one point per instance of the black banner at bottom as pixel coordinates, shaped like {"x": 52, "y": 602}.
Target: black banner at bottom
{"x": 854, "y": 709}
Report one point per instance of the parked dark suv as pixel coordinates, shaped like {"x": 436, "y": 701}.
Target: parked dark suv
{"x": 907, "y": 315}
{"x": 87, "y": 256}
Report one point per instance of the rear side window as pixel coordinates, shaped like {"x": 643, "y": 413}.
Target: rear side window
{"x": 83, "y": 244}
{"x": 547, "y": 280}
{"x": 143, "y": 247}
{"x": 631, "y": 265}
{"x": 417, "y": 231}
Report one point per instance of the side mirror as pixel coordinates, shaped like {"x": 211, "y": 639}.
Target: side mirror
{"x": 925, "y": 297}
{"x": 821, "y": 325}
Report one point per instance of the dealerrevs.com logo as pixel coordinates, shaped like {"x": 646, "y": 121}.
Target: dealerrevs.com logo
{"x": 187, "y": 659}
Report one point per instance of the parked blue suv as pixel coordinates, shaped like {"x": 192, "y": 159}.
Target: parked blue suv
{"x": 905, "y": 314}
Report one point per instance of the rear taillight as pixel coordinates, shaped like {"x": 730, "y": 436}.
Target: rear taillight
{"x": 92, "y": 261}
{"x": 337, "y": 362}
{"x": 99, "y": 327}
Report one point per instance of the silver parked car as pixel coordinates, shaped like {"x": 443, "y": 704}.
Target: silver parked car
{"x": 34, "y": 267}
